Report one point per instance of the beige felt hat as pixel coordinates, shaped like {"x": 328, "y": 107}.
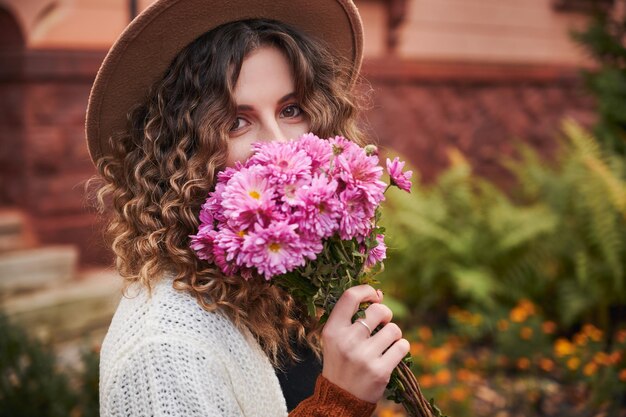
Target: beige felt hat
{"x": 143, "y": 52}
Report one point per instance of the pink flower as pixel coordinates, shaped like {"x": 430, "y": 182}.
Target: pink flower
{"x": 378, "y": 253}
{"x": 284, "y": 163}
{"x": 247, "y": 198}
{"x": 213, "y": 203}
{"x": 320, "y": 209}
{"x": 273, "y": 250}
{"x": 354, "y": 220}
{"x": 202, "y": 242}
{"x": 227, "y": 245}
{"x": 398, "y": 178}
{"x": 340, "y": 145}
{"x": 360, "y": 171}
{"x": 319, "y": 150}
{"x": 206, "y": 216}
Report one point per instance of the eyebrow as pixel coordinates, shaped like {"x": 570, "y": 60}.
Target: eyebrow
{"x": 247, "y": 107}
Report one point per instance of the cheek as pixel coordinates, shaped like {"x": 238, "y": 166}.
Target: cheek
{"x": 239, "y": 149}
{"x": 298, "y": 129}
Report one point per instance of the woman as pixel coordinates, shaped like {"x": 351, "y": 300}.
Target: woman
{"x": 199, "y": 88}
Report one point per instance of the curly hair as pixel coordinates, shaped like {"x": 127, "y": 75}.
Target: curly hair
{"x": 165, "y": 162}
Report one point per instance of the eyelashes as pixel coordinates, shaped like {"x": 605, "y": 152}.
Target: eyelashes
{"x": 296, "y": 112}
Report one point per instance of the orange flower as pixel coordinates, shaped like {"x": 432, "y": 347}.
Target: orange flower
{"x": 580, "y": 339}
{"x": 387, "y": 412}
{"x": 563, "y": 347}
{"x": 424, "y": 333}
{"x": 573, "y": 363}
{"x": 548, "y": 327}
{"x": 546, "y": 364}
{"x": 592, "y": 332}
{"x": 615, "y": 357}
{"x": 526, "y": 333}
{"x": 463, "y": 375}
{"x": 528, "y": 306}
{"x": 523, "y": 363}
{"x": 518, "y": 315}
{"x": 503, "y": 325}
{"x": 621, "y": 336}
{"x": 443, "y": 377}
{"x": 471, "y": 362}
{"x": 426, "y": 380}
{"x": 440, "y": 355}
{"x": 622, "y": 375}
{"x": 416, "y": 348}
{"x": 590, "y": 368}
{"x": 601, "y": 358}
{"x": 458, "y": 394}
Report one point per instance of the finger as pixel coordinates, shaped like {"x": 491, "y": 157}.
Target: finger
{"x": 377, "y": 314}
{"x": 395, "y": 353}
{"x": 348, "y": 304}
{"x": 384, "y": 338}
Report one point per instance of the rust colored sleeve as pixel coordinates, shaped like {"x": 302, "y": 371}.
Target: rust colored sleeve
{"x": 329, "y": 400}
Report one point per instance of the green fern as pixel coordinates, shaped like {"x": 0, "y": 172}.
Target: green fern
{"x": 558, "y": 238}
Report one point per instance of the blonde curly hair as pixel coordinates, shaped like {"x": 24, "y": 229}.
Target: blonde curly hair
{"x": 165, "y": 162}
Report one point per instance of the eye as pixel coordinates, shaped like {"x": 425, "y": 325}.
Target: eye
{"x": 292, "y": 110}
{"x": 238, "y": 124}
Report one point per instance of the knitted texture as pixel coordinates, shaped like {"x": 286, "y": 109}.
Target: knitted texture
{"x": 331, "y": 400}
{"x": 166, "y": 356}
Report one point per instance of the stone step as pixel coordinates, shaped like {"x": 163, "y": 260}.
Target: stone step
{"x": 31, "y": 269}
{"x": 70, "y": 310}
{"x": 14, "y": 231}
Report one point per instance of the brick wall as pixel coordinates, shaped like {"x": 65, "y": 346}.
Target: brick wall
{"x": 422, "y": 109}
{"x": 44, "y": 161}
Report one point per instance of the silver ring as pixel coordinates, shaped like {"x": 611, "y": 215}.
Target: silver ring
{"x": 361, "y": 321}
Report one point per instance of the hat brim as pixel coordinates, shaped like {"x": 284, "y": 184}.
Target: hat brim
{"x": 143, "y": 52}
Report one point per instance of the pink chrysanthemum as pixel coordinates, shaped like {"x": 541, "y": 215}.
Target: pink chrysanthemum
{"x": 213, "y": 203}
{"x": 273, "y": 250}
{"x": 320, "y": 208}
{"x": 354, "y": 221}
{"x": 202, "y": 242}
{"x": 398, "y": 178}
{"x": 378, "y": 253}
{"x": 360, "y": 171}
{"x": 319, "y": 150}
{"x": 206, "y": 216}
{"x": 284, "y": 163}
{"x": 247, "y": 198}
{"x": 339, "y": 145}
{"x": 227, "y": 245}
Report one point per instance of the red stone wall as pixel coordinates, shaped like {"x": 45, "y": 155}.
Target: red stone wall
{"x": 44, "y": 161}
{"x": 423, "y": 109}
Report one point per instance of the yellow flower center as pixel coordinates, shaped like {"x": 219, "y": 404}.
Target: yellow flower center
{"x": 274, "y": 247}
{"x": 254, "y": 194}
{"x": 242, "y": 233}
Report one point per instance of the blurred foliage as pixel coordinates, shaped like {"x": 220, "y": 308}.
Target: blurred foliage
{"x": 605, "y": 41}
{"x": 557, "y": 238}
{"x": 32, "y": 383}
{"x": 528, "y": 369}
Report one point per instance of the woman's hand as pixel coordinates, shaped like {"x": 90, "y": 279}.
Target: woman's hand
{"x": 353, "y": 360}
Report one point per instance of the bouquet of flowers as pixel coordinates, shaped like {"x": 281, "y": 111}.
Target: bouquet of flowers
{"x": 304, "y": 214}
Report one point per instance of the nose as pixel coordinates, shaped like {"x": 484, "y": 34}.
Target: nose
{"x": 272, "y": 131}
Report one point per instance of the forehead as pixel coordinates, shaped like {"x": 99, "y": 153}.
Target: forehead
{"x": 265, "y": 74}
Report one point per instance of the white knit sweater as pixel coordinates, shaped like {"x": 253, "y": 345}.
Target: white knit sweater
{"x": 166, "y": 356}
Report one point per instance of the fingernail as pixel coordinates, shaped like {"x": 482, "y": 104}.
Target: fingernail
{"x": 380, "y": 294}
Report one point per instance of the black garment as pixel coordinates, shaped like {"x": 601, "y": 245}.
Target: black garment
{"x": 298, "y": 379}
